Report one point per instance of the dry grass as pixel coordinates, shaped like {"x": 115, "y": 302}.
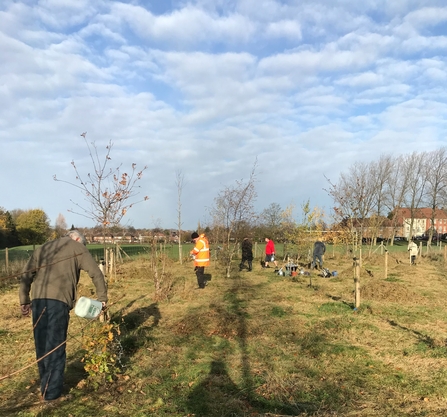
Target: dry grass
{"x": 256, "y": 345}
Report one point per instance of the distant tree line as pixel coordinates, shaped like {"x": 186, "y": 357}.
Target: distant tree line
{"x": 366, "y": 195}
{"x": 23, "y": 227}
{"x": 374, "y": 191}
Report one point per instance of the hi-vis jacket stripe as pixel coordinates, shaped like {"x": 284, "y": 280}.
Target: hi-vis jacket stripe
{"x": 201, "y": 252}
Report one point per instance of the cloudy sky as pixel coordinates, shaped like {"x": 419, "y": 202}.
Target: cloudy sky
{"x": 206, "y": 88}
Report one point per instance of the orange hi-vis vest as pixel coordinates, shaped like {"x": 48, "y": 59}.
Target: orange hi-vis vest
{"x": 201, "y": 252}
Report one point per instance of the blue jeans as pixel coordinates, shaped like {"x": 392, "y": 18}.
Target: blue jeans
{"x": 50, "y": 320}
{"x": 317, "y": 258}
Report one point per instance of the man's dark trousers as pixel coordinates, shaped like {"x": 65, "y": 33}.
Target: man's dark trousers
{"x": 50, "y": 320}
{"x": 200, "y": 273}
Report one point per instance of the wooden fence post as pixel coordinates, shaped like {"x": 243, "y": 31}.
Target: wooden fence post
{"x": 386, "y": 264}
{"x": 112, "y": 264}
{"x": 7, "y": 260}
{"x": 106, "y": 260}
{"x": 356, "y": 283}
{"x": 101, "y": 266}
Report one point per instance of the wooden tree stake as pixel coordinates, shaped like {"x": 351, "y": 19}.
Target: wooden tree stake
{"x": 386, "y": 264}
{"x": 357, "y": 282}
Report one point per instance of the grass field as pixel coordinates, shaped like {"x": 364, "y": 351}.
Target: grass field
{"x": 22, "y": 253}
{"x": 256, "y": 344}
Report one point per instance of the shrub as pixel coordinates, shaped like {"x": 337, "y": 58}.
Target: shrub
{"x": 102, "y": 352}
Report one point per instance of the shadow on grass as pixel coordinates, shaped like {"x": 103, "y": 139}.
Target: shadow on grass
{"x": 427, "y": 340}
{"x": 134, "y": 333}
{"x": 217, "y": 394}
{"x": 305, "y": 388}
{"x": 30, "y": 397}
{"x": 135, "y": 330}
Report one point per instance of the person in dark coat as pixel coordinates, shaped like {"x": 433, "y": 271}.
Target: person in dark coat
{"x": 319, "y": 250}
{"x": 247, "y": 254}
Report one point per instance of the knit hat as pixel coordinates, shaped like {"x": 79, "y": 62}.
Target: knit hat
{"x": 195, "y": 235}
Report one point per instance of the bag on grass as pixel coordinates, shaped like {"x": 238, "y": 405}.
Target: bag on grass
{"x": 326, "y": 273}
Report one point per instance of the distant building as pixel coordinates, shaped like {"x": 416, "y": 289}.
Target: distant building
{"x": 384, "y": 228}
{"x": 114, "y": 239}
{"x": 422, "y": 222}
{"x": 372, "y": 227}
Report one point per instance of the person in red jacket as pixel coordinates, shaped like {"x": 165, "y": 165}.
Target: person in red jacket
{"x": 269, "y": 253}
{"x": 201, "y": 253}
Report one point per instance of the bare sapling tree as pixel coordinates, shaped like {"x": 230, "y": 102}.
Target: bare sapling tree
{"x": 179, "y": 178}
{"x": 271, "y": 219}
{"x": 346, "y": 208}
{"x": 380, "y": 172}
{"x": 303, "y": 234}
{"x": 355, "y": 198}
{"x": 312, "y": 226}
{"x": 436, "y": 189}
{"x": 233, "y": 208}
{"x": 395, "y": 190}
{"x": 414, "y": 165}
{"x": 60, "y": 228}
{"x": 108, "y": 192}
{"x": 288, "y": 229}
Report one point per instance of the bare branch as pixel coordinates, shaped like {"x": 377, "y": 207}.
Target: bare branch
{"x": 108, "y": 192}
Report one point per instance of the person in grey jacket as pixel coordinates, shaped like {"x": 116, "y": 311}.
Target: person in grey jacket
{"x": 319, "y": 250}
{"x": 52, "y": 275}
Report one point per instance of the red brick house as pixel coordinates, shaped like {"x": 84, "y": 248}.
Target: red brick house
{"x": 422, "y": 221}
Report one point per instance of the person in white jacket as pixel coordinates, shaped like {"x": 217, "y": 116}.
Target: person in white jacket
{"x": 413, "y": 249}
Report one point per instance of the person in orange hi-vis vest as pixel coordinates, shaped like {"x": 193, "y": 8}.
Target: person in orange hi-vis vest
{"x": 201, "y": 254}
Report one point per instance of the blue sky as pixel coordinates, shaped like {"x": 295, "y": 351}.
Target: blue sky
{"x": 308, "y": 87}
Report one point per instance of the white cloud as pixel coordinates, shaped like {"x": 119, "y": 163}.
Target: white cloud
{"x": 284, "y": 28}
{"x": 427, "y": 16}
{"x": 318, "y": 62}
{"x": 364, "y": 79}
{"x": 414, "y": 115}
{"x": 436, "y": 74}
{"x": 306, "y": 87}
{"x": 184, "y": 27}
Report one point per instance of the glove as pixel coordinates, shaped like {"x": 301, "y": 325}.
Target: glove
{"x": 25, "y": 309}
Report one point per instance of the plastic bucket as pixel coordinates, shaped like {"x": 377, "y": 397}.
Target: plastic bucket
{"x": 88, "y": 308}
